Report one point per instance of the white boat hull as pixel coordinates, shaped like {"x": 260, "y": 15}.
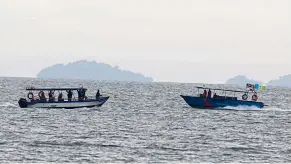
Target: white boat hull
{"x": 68, "y": 104}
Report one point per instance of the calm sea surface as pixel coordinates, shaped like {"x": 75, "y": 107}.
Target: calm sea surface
{"x": 142, "y": 123}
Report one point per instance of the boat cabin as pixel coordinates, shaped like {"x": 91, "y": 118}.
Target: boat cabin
{"x": 225, "y": 94}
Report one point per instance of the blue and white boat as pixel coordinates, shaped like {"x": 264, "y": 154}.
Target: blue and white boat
{"x": 215, "y": 101}
{"x": 40, "y": 101}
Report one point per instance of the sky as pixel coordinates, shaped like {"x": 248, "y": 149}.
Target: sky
{"x": 196, "y": 41}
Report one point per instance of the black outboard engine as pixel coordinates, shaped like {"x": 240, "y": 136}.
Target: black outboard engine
{"x": 22, "y": 103}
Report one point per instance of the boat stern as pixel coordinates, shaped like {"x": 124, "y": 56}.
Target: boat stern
{"x": 22, "y": 102}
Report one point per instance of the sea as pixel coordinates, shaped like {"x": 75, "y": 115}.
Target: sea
{"x": 142, "y": 123}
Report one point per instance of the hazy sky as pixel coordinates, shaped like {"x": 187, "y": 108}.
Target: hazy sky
{"x": 170, "y": 40}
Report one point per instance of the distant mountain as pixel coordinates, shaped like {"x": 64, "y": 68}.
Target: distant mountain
{"x": 283, "y": 81}
{"x": 242, "y": 81}
{"x": 91, "y": 70}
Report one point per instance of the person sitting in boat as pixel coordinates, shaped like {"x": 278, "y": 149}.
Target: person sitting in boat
{"x": 98, "y": 95}
{"x": 70, "y": 95}
{"x": 41, "y": 96}
{"x": 60, "y": 97}
{"x": 209, "y": 94}
{"x": 215, "y": 96}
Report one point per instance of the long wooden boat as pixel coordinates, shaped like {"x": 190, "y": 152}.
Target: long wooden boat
{"x": 40, "y": 101}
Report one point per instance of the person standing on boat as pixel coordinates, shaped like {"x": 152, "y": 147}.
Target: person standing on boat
{"x": 70, "y": 95}
{"x": 209, "y": 94}
{"x": 204, "y": 93}
{"x": 51, "y": 95}
{"x": 84, "y": 94}
{"x": 98, "y": 95}
{"x": 60, "y": 97}
{"x": 81, "y": 94}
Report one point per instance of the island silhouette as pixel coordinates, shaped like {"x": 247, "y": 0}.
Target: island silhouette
{"x": 241, "y": 80}
{"x": 91, "y": 70}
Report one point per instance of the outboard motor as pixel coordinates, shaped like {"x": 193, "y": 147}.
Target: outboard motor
{"x": 22, "y": 103}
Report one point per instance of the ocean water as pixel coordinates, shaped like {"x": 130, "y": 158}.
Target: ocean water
{"x": 145, "y": 123}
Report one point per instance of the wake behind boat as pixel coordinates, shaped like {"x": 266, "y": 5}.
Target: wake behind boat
{"x": 206, "y": 100}
{"x": 71, "y": 102}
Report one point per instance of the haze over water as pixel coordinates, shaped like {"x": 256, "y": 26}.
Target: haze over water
{"x": 169, "y": 40}
{"x": 142, "y": 123}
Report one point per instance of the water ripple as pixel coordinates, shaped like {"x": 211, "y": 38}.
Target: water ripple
{"x": 142, "y": 123}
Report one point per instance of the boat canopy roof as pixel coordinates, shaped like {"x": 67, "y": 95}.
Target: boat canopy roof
{"x": 226, "y": 90}
{"x": 53, "y": 89}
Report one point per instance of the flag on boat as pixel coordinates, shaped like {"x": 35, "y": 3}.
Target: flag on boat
{"x": 250, "y": 87}
{"x": 262, "y": 87}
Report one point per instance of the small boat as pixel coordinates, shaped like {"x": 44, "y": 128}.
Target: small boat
{"x": 40, "y": 101}
{"x": 205, "y": 101}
